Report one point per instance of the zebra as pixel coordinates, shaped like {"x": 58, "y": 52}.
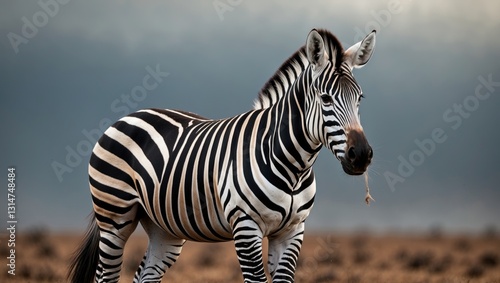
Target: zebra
{"x": 241, "y": 179}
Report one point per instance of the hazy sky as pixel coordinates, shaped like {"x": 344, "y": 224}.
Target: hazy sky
{"x": 68, "y": 68}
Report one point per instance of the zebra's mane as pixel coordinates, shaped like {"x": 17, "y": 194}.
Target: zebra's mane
{"x": 288, "y": 72}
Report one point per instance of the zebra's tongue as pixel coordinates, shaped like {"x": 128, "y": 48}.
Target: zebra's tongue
{"x": 368, "y": 197}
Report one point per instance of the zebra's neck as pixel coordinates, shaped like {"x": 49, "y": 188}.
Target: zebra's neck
{"x": 292, "y": 149}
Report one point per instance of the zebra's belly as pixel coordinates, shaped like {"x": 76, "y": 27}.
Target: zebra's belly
{"x": 201, "y": 209}
{"x": 204, "y": 222}
{"x": 189, "y": 213}
{"x": 197, "y": 228}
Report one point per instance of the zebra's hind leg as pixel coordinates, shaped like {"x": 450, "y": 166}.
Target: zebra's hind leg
{"x": 114, "y": 232}
{"x": 248, "y": 243}
{"x": 161, "y": 254}
{"x": 284, "y": 250}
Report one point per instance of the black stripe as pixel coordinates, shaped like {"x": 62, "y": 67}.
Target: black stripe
{"x": 146, "y": 143}
{"x": 110, "y": 170}
{"x": 247, "y": 171}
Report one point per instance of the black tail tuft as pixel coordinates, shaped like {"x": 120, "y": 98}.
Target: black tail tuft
{"x": 83, "y": 265}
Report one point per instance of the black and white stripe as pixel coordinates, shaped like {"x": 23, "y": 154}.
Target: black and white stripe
{"x": 244, "y": 178}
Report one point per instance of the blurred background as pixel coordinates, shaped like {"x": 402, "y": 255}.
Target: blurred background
{"x": 69, "y": 68}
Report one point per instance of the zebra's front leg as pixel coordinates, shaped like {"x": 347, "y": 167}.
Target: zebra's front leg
{"x": 284, "y": 250}
{"x": 248, "y": 242}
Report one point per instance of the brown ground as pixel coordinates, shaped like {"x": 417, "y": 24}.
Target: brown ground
{"x": 43, "y": 257}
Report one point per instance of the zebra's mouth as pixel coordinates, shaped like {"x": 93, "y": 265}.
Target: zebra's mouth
{"x": 350, "y": 170}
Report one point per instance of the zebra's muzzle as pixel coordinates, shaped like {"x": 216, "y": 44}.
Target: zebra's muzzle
{"x": 358, "y": 153}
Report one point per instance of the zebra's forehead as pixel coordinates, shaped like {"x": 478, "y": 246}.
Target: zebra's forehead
{"x": 335, "y": 80}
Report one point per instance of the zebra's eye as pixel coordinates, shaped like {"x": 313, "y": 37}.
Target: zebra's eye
{"x": 327, "y": 99}
{"x": 360, "y": 97}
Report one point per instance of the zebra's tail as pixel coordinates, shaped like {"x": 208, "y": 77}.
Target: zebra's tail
{"x": 83, "y": 265}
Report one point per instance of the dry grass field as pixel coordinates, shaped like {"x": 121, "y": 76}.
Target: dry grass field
{"x": 43, "y": 257}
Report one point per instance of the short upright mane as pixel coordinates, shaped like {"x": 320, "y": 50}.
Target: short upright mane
{"x": 288, "y": 72}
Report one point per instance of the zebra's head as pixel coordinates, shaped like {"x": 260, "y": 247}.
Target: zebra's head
{"x": 336, "y": 99}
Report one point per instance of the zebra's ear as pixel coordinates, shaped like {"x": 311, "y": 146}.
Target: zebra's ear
{"x": 315, "y": 50}
{"x": 359, "y": 54}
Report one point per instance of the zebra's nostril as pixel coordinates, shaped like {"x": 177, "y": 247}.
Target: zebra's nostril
{"x": 370, "y": 153}
{"x": 351, "y": 154}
